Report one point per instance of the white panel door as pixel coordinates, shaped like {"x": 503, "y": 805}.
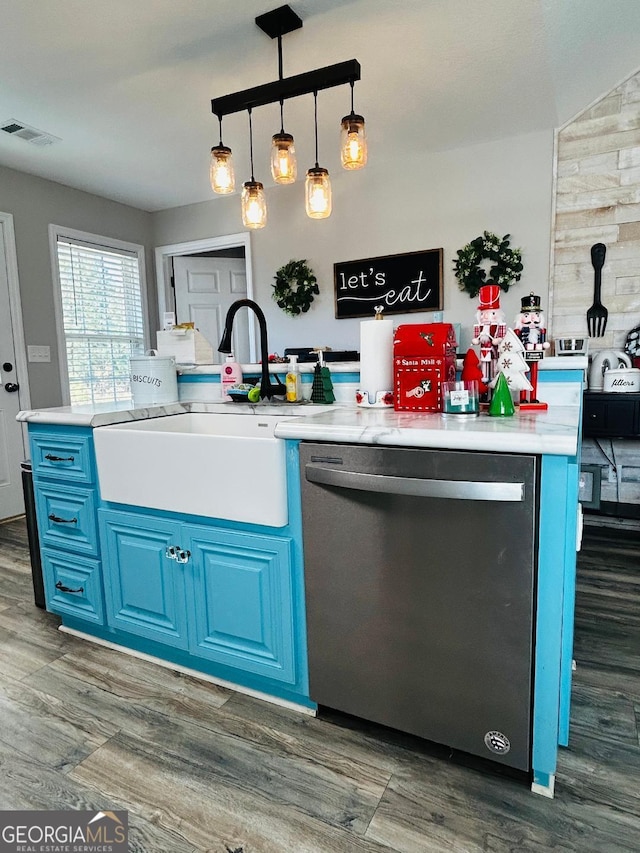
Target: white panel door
{"x": 11, "y": 443}
{"x": 205, "y": 289}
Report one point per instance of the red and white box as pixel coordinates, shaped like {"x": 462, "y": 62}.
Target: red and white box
{"x": 424, "y": 357}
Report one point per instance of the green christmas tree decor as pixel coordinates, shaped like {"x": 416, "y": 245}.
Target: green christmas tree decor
{"x": 322, "y": 388}
{"x": 501, "y": 405}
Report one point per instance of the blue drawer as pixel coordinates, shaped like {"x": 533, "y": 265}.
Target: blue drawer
{"x": 63, "y": 456}
{"x": 67, "y": 517}
{"x": 73, "y": 586}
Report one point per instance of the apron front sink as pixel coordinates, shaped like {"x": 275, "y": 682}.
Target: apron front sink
{"x": 227, "y": 466}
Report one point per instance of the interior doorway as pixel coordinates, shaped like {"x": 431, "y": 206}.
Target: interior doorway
{"x": 14, "y": 386}
{"x": 200, "y": 280}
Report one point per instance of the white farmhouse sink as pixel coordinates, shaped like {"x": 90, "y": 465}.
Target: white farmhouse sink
{"x": 218, "y": 465}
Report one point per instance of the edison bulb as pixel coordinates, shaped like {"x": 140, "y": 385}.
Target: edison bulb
{"x": 353, "y": 142}
{"x": 318, "y": 193}
{"x": 221, "y": 170}
{"x": 284, "y": 169}
{"x": 254, "y": 205}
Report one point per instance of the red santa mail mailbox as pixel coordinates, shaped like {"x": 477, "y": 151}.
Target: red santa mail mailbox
{"x": 424, "y": 356}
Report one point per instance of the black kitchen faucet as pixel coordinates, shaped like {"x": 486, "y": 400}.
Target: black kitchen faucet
{"x": 267, "y": 388}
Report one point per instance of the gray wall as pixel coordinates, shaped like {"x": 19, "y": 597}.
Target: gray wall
{"x": 34, "y": 204}
{"x": 429, "y": 200}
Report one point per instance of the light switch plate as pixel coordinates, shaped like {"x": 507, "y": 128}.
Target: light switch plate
{"x": 37, "y": 353}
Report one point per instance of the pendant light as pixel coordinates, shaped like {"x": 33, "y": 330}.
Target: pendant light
{"x": 284, "y": 168}
{"x": 317, "y": 184}
{"x": 353, "y": 140}
{"x": 254, "y": 205}
{"x": 221, "y": 171}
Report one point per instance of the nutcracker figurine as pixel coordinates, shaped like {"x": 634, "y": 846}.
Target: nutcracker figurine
{"x": 489, "y": 330}
{"x": 530, "y": 328}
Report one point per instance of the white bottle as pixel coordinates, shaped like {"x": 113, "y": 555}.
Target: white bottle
{"x": 230, "y": 375}
{"x": 293, "y": 382}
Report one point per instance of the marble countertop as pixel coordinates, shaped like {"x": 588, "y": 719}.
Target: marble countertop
{"x": 554, "y": 431}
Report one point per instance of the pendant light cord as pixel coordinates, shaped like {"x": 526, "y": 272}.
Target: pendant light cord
{"x": 251, "y": 145}
{"x": 281, "y": 116}
{"x": 315, "y": 118}
{"x": 352, "y": 113}
{"x": 220, "y": 120}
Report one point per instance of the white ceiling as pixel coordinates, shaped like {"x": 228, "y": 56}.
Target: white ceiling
{"x": 127, "y": 84}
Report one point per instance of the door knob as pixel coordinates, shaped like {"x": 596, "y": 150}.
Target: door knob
{"x": 11, "y": 387}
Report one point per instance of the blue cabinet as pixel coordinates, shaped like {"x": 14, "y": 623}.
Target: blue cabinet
{"x": 66, "y": 497}
{"x": 242, "y": 598}
{"x": 145, "y": 592}
{"x": 73, "y": 585}
{"x": 225, "y": 596}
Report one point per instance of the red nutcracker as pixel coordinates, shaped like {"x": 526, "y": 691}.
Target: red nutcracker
{"x": 489, "y": 330}
{"x": 530, "y": 328}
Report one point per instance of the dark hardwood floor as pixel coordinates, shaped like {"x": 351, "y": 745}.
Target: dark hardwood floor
{"x": 201, "y": 768}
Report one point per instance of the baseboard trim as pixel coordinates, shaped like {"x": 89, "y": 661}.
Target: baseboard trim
{"x": 194, "y": 673}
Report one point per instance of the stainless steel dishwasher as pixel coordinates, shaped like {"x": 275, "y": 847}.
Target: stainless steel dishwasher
{"x": 419, "y": 579}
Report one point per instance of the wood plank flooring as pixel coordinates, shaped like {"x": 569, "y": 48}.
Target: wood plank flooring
{"x": 201, "y": 768}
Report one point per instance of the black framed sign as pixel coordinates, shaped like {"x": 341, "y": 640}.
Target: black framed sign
{"x": 401, "y": 283}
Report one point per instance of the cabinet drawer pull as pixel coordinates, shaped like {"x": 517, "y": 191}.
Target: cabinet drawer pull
{"x": 63, "y": 588}
{"x": 170, "y": 552}
{"x": 58, "y": 520}
{"x": 182, "y": 556}
{"x": 53, "y": 458}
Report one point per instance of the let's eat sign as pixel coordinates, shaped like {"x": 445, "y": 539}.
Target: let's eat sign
{"x": 400, "y": 283}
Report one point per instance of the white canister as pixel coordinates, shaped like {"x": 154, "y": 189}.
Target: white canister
{"x": 622, "y": 380}
{"x": 153, "y": 379}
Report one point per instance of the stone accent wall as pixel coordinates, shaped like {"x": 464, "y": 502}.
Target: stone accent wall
{"x": 597, "y": 200}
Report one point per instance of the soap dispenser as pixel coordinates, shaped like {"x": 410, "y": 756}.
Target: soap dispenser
{"x": 293, "y": 382}
{"x": 231, "y": 374}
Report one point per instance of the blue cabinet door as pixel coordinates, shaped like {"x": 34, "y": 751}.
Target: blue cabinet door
{"x": 144, "y": 584}
{"x": 241, "y": 591}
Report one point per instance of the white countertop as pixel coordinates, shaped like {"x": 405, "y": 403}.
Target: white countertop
{"x": 554, "y": 431}
{"x": 104, "y": 414}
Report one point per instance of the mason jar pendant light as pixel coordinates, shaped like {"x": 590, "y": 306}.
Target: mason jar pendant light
{"x": 284, "y": 168}
{"x": 254, "y": 205}
{"x": 317, "y": 185}
{"x": 353, "y": 140}
{"x": 223, "y": 180}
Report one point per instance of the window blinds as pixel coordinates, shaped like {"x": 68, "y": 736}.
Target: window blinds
{"x": 102, "y": 317}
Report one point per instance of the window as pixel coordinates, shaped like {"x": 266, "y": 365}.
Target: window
{"x": 101, "y": 314}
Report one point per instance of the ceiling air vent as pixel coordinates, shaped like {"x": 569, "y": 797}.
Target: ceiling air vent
{"x": 29, "y": 134}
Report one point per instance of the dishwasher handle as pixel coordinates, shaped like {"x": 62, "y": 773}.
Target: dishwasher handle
{"x": 461, "y": 490}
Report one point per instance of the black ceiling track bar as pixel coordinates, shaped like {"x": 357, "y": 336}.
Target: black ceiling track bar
{"x": 288, "y": 87}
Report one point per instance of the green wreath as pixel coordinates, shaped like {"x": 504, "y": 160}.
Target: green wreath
{"x": 295, "y": 287}
{"x": 506, "y": 269}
